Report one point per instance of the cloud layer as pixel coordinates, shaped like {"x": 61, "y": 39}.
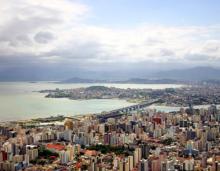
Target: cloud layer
{"x": 54, "y": 32}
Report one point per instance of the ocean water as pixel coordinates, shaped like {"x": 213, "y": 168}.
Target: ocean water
{"x": 19, "y": 100}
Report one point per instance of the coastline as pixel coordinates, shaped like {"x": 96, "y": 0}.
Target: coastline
{"x": 157, "y": 107}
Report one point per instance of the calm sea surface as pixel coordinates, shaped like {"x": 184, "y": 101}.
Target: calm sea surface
{"x": 19, "y": 101}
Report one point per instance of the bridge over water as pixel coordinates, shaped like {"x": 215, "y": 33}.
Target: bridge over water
{"x": 119, "y": 112}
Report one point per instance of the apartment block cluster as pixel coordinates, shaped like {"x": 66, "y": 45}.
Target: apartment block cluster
{"x": 146, "y": 140}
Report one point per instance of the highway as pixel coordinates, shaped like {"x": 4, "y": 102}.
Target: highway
{"x": 119, "y": 112}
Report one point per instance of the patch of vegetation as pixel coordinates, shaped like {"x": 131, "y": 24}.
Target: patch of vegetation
{"x": 97, "y": 88}
{"x": 43, "y": 152}
{"x": 119, "y": 150}
{"x": 167, "y": 141}
{"x": 44, "y": 156}
{"x": 40, "y": 161}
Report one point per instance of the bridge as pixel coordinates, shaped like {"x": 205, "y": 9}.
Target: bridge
{"x": 119, "y": 112}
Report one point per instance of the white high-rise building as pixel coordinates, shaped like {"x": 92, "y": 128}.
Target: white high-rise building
{"x": 64, "y": 157}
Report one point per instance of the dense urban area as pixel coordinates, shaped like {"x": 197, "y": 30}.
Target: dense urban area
{"x": 195, "y": 94}
{"x": 135, "y": 139}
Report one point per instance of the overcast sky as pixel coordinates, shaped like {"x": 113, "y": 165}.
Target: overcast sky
{"x": 101, "y": 36}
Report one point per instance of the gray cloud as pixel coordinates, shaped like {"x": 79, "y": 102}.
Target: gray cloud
{"x": 167, "y": 52}
{"x": 54, "y": 34}
{"x": 197, "y": 57}
{"x": 43, "y": 37}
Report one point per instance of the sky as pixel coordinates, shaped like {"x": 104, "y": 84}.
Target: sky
{"x": 57, "y": 39}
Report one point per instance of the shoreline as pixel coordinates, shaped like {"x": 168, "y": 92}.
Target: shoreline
{"x": 80, "y": 116}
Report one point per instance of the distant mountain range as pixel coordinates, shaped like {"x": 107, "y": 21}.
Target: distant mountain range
{"x": 150, "y": 81}
{"x": 81, "y": 80}
{"x": 160, "y": 77}
{"x": 133, "y": 80}
{"x": 165, "y": 77}
{"x": 192, "y": 74}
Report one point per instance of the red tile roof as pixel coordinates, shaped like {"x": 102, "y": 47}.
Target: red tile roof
{"x": 58, "y": 147}
{"x": 90, "y": 153}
